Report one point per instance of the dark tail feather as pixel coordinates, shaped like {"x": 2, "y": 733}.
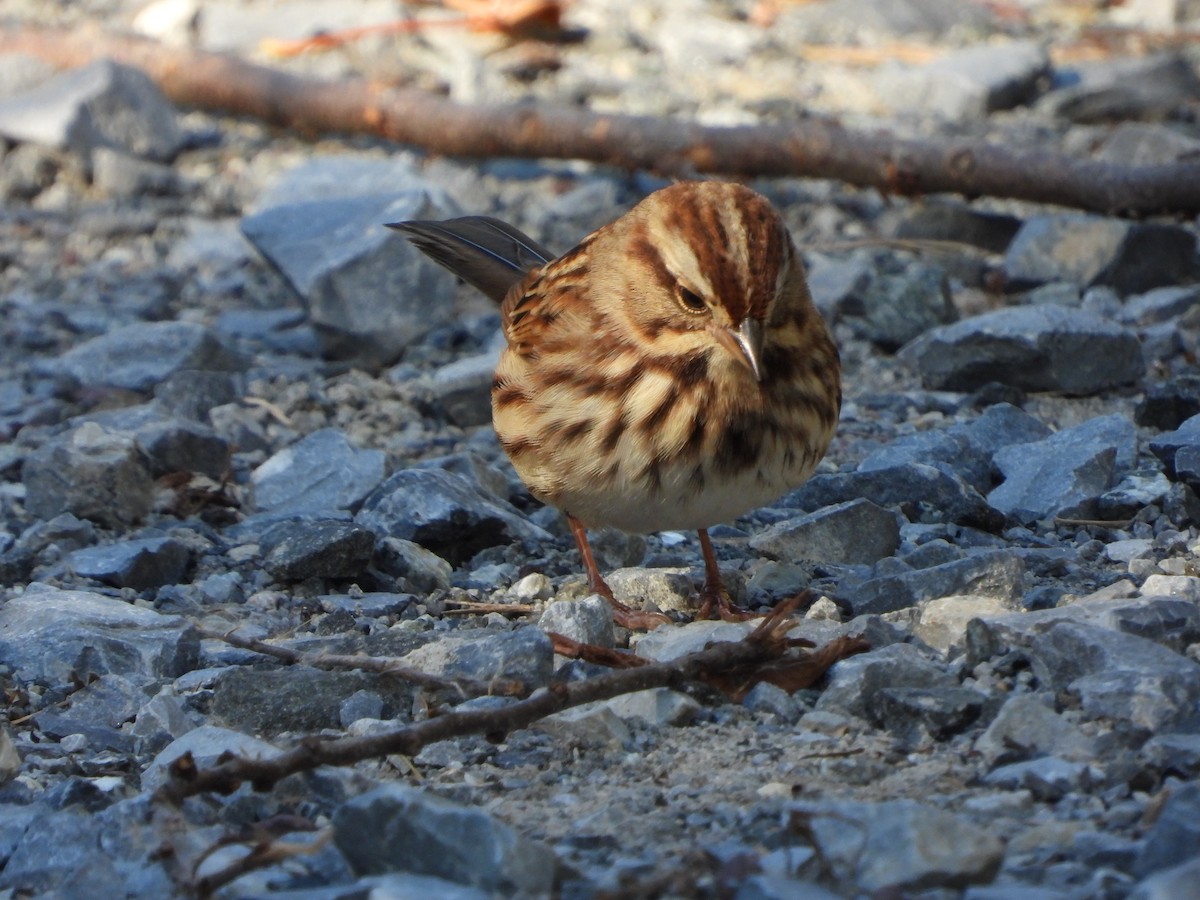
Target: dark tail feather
{"x": 484, "y": 252}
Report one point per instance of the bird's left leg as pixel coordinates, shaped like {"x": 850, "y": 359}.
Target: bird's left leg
{"x": 713, "y": 595}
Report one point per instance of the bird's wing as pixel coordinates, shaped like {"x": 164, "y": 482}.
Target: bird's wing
{"x": 484, "y": 252}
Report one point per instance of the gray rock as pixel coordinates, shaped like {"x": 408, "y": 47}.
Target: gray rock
{"x": 420, "y": 570}
{"x": 965, "y": 449}
{"x": 665, "y": 644}
{"x": 103, "y": 104}
{"x": 192, "y": 395}
{"x": 656, "y": 707}
{"x": 1175, "y": 835}
{"x": 658, "y": 588}
{"x": 1168, "y": 445}
{"x": 898, "y": 303}
{"x": 299, "y": 698}
{"x": 51, "y": 636}
{"x": 475, "y": 469}
{"x": 1117, "y": 675}
{"x": 525, "y": 655}
{"x": 339, "y": 258}
{"x": 28, "y": 170}
{"x": 118, "y": 174}
{"x": 1047, "y": 778}
{"x": 854, "y": 533}
{"x": 968, "y": 83}
{"x": 395, "y": 828}
{"x": 360, "y": 705}
{"x": 923, "y": 493}
{"x": 769, "y": 698}
{"x": 836, "y": 284}
{"x": 321, "y": 548}
{"x": 444, "y": 513}
{"x": 1066, "y": 473}
{"x": 1176, "y": 883}
{"x": 138, "y": 357}
{"x": 178, "y": 445}
{"x": 990, "y": 573}
{"x": 370, "y": 604}
{"x": 588, "y": 621}
{"x": 138, "y": 564}
{"x": 853, "y": 683}
{"x": 903, "y": 18}
{"x": 1026, "y": 727}
{"x": 207, "y": 744}
{"x": 160, "y": 720}
{"x": 322, "y": 471}
{"x": 900, "y": 845}
{"x": 1038, "y": 348}
{"x": 98, "y": 711}
{"x": 1147, "y": 87}
{"x": 940, "y": 219}
{"x": 75, "y": 853}
{"x": 941, "y": 712}
{"x": 770, "y": 578}
{"x": 89, "y": 472}
{"x": 464, "y": 388}
{"x": 1140, "y": 144}
{"x": 1092, "y": 250}
{"x": 1132, "y": 494}
{"x": 1174, "y": 753}
{"x": 1161, "y": 304}
{"x": 1170, "y": 621}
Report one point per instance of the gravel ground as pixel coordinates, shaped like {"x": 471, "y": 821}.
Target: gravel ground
{"x": 230, "y": 402}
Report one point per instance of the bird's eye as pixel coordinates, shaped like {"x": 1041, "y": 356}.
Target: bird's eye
{"x": 691, "y": 301}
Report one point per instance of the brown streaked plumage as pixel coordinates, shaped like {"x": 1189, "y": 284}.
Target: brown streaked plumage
{"x": 668, "y": 372}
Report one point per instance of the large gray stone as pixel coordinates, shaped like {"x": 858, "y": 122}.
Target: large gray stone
{"x": 1064, "y": 474}
{"x": 92, "y": 473}
{"x": 322, "y": 471}
{"x": 395, "y": 828}
{"x": 968, "y": 83}
{"x": 923, "y": 492}
{"x": 854, "y": 533}
{"x": 900, "y": 845}
{"x": 1034, "y": 348}
{"x": 1168, "y": 445}
{"x": 964, "y": 448}
{"x": 445, "y": 513}
{"x": 1115, "y": 675}
{"x": 138, "y": 357}
{"x": 854, "y": 682}
{"x": 317, "y": 548}
{"x": 1175, "y": 835}
{"x": 368, "y": 292}
{"x": 52, "y": 636}
{"x": 898, "y": 302}
{"x": 102, "y": 104}
{"x": 1125, "y": 89}
{"x": 138, "y": 564}
{"x": 1027, "y": 726}
{"x": 991, "y": 573}
{"x": 299, "y": 698}
{"x": 1092, "y": 250}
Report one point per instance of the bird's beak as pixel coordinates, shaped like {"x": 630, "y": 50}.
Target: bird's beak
{"x": 746, "y": 341}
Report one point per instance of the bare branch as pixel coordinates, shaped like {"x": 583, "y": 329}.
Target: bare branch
{"x": 731, "y": 662}
{"x": 812, "y": 147}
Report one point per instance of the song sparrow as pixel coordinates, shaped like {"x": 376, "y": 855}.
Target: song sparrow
{"x": 668, "y": 372}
